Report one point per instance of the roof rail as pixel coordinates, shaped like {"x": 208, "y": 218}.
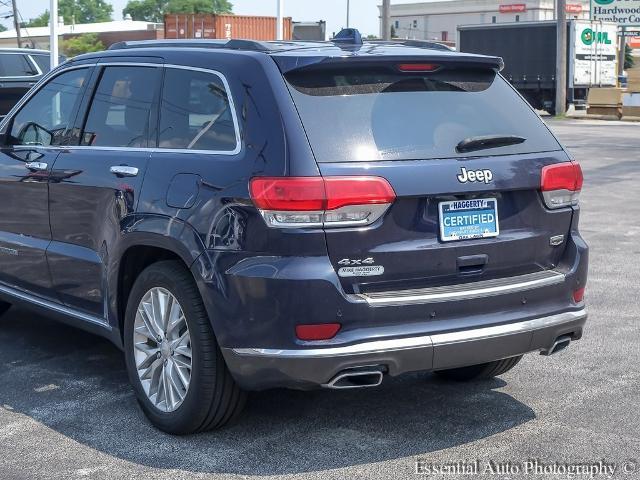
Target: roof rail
{"x": 233, "y": 44}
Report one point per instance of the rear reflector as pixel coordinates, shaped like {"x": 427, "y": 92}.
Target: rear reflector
{"x": 561, "y": 184}
{"x": 321, "y": 201}
{"x": 418, "y": 67}
{"x": 320, "y": 331}
{"x": 578, "y": 295}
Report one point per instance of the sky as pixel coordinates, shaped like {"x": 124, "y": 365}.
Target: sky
{"x": 364, "y": 13}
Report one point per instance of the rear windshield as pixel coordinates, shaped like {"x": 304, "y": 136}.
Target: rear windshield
{"x": 384, "y": 114}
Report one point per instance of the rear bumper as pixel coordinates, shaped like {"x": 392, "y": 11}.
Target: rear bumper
{"x": 261, "y": 368}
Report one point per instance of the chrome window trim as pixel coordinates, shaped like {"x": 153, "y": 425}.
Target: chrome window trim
{"x": 35, "y": 64}
{"x": 425, "y": 341}
{"x": 54, "y": 73}
{"x": 25, "y": 77}
{"x": 232, "y": 106}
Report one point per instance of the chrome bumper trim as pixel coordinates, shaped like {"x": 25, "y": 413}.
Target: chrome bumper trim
{"x": 428, "y": 341}
{"x": 463, "y": 291}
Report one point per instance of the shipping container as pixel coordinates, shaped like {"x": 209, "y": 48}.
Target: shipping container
{"x": 203, "y": 25}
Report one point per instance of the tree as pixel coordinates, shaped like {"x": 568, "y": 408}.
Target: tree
{"x": 85, "y": 43}
{"x": 41, "y": 20}
{"x": 145, "y": 10}
{"x": 199, "y": 6}
{"x": 3, "y": 28}
{"x": 154, "y": 10}
{"x": 629, "y": 61}
{"x": 76, "y": 11}
{"x": 85, "y": 11}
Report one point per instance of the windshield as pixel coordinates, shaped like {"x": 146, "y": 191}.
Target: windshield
{"x": 383, "y": 114}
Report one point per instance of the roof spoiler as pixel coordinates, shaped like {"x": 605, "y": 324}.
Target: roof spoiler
{"x": 454, "y": 61}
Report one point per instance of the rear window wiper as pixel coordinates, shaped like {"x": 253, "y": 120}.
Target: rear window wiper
{"x": 489, "y": 141}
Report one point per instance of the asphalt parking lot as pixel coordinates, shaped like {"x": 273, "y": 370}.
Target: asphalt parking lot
{"x": 67, "y": 411}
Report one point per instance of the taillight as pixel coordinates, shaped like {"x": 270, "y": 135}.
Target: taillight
{"x": 561, "y": 184}
{"x": 296, "y": 202}
{"x": 578, "y": 295}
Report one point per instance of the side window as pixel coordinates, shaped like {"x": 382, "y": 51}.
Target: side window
{"x": 44, "y": 119}
{"x": 43, "y": 61}
{"x": 121, "y": 106}
{"x": 195, "y": 112}
{"x": 15, "y": 65}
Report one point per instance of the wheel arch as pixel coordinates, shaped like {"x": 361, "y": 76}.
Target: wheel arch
{"x": 148, "y": 240}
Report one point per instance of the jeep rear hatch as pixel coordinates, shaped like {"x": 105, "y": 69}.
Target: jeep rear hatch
{"x": 463, "y": 155}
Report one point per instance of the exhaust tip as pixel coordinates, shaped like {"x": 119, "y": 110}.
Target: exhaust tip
{"x": 560, "y": 344}
{"x": 355, "y": 379}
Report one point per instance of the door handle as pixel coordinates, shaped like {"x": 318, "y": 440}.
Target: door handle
{"x": 37, "y": 166}
{"x": 124, "y": 171}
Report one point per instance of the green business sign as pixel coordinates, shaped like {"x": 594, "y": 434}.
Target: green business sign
{"x": 626, "y": 13}
{"x": 589, "y": 37}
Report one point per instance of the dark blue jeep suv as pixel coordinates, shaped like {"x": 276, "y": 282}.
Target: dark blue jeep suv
{"x": 240, "y": 215}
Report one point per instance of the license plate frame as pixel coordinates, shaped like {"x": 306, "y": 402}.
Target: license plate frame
{"x": 479, "y": 226}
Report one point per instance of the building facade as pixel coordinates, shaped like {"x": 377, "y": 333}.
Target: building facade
{"x": 438, "y": 20}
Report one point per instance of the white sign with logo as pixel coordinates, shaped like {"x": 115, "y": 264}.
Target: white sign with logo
{"x": 596, "y": 54}
{"x": 623, "y": 12}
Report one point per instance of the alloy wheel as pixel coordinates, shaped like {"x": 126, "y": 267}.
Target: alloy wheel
{"x": 162, "y": 349}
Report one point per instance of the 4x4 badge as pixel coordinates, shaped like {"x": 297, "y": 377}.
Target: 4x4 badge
{"x": 474, "y": 175}
{"x": 356, "y": 261}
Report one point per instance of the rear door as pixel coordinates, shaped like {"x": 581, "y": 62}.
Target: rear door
{"x": 95, "y": 183}
{"x": 463, "y": 153}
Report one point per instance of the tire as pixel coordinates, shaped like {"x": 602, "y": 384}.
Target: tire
{"x": 482, "y": 371}
{"x": 4, "y": 306}
{"x": 211, "y": 398}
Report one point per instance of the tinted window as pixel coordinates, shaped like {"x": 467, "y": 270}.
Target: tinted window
{"x": 195, "y": 112}
{"x": 383, "y": 114}
{"x": 45, "y": 117}
{"x": 43, "y": 61}
{"x": 15, "y": 65}
{"x": 120, "y": 110}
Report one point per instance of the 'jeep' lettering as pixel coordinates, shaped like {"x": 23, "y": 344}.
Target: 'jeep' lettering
{"x": 475, "y": 175}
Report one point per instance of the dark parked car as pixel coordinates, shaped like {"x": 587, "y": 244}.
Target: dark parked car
{"x": 243, "y": 215}
{"x": 20, "y": 69}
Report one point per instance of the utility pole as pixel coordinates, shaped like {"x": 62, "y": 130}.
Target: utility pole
{"x": 623, "y": 51}
{"x": 561, "y": 58}
{"x": 347, "y": 13}
{"x": 16, "y": 23}
{"x": 386, "y": 19}
{"x": 280, "y": 26}
{"x": 53, "y": 33}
